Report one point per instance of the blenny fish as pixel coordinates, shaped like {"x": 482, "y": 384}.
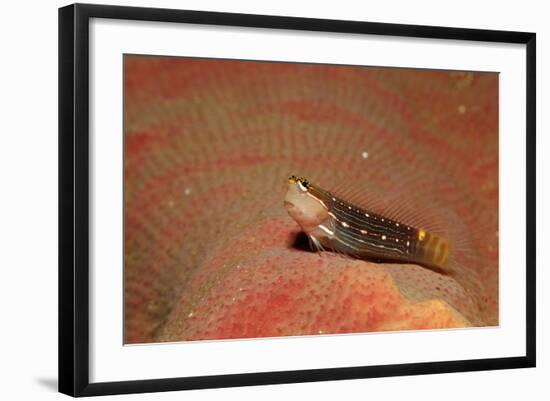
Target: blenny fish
{"x": 334, "y": 223}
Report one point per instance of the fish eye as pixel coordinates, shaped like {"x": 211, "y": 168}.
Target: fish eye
{"x": 303, "y": 184}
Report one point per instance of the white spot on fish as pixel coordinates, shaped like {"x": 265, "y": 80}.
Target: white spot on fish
{"x": 364, "y": 231}
{"x": 462, "y": 109}
{"x": 187, "y": 191}
{"x": 344, "y": 224}
{"x": 365, "y": 155}
{"x": 190, "y": 314}
{"x": 397, "y": 240}
{"x": 383, "y": 237}
{"x": 397, "y": 224}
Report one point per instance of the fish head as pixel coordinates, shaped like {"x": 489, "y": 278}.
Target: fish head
{"x": 303, "y": 205}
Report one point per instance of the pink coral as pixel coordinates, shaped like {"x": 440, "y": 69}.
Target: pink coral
{"x": 208, "y": 244}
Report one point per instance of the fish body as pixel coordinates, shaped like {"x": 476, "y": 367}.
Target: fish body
{"x": 335, "y": 224}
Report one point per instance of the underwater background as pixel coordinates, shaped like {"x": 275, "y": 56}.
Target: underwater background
{"x": 210, "y": 251}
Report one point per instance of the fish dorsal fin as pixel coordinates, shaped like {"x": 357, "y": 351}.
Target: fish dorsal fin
{"x": 360, "y": 197}
{"x": 415, "y": 211}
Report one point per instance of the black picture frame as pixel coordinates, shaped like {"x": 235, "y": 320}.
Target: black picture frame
{"x": 74, "y": 194}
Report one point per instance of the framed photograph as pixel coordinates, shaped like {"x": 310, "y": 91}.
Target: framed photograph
{"x": 251, "y": 199}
